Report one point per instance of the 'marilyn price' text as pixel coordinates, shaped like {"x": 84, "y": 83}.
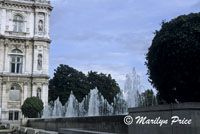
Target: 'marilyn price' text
{"x": 143, "y": 120}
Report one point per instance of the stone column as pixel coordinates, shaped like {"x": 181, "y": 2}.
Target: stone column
{"x": 27, "y": 23}
{"x": 7, "y": 60}
{"x": 0, "y": 114}
{"x": 35, "y": 23}
{"x": 35, "y": 58}
{"x": 46, "y": 24}
{"x": 25, "y": 90}
{"x": 1, "y": 20}
{"x": 34, "y": 91}
{"x": 5, "y": 56}
{"x": 44, "y": 93}
{"x": 4, "y": 96}
{"x": 48, "y": 28}
{"x": 47, "y": 62}
{"x": 26, "y": 58}
{"x": 44, "y": 57}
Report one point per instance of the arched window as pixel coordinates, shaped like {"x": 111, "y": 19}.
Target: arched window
{"x": 16, "y": 61}
{"x": 15, "y": 93}
{"x": 39, "y": 93}
{"x": 18, "y": 23}
{"x": 17, "y": 51}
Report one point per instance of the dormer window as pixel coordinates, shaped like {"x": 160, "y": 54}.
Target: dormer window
{"x": 18, "y": 23}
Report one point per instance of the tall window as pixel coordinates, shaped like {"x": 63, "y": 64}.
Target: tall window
{"x": 10, "y": 116}
{"x": 16, "y": 61}
{"x": 16, "y": 115}
{"x": 13, "y": 115}
{"x": 15, "y": 93}
{"x": 18, "y": 23}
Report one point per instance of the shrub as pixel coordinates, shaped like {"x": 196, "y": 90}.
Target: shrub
{"x": 32, "y": 107}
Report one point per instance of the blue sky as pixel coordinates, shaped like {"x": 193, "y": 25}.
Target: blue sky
{"x": 109, "y": 36}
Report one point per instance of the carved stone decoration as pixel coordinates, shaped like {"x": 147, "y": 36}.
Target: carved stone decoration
{"x": 4, "y": 83}
{"x": 40, "y": 23}
{"x": 17, "y": 46}
{"x": 34, "y": 83}
{"x": 45, "y": 83}
{"x": 26, "y": 46}
{"x": 6, "y": 43}
{"x": 40, "y": 26}
{"x": 25, "y": 83}
{"x": 39, "y": 62}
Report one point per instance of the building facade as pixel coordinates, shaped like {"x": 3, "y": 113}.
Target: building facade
{"x": 24, "y": 54}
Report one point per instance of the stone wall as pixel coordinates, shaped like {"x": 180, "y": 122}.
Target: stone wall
{"x": 112, "y": 124}
{"x": 181, "y": 118}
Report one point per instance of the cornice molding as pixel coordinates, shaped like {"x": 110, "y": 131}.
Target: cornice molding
{"x": 26, "y": 75}
{"x": 23, "y": 39}
{"x": 28, "y": 4}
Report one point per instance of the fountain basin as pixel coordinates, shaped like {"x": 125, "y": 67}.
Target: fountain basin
{"x": 109, "y": 124}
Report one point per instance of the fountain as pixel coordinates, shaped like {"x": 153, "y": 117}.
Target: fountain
{"x": 57, "y": 109}
{"x": 94, "y": 104}
{"x": 131, "y": 90}
{"x": 72, "y": 106}
{"x": 93, "y": 107}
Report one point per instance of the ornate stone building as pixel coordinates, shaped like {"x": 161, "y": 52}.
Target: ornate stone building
{"x": 24, "y": 54}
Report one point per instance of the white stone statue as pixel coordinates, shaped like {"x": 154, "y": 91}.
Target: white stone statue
{"x": 40, "y": 25}
{"x": 39, "y": 62}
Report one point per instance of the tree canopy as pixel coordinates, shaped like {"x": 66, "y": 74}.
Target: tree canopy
{"x": 147, "y": 98}
{"x": 32, "y": 107}
{"x": 107, "y": 86}
{"x": 173, "y": 59}
{"x": 67, "y": 79}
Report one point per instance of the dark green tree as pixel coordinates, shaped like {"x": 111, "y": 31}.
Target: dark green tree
{"x": 160, "y": 100}
{"x": 147, "y": 98}
{"x": 65, "y": 80}
{"x": 107, "y": 86}
{"x": 32, "y": 107}
{"x": 173, "y": 59}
